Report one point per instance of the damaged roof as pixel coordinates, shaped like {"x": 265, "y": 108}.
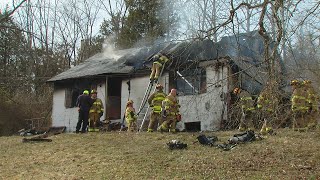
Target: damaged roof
{"x": 129, "y": 60}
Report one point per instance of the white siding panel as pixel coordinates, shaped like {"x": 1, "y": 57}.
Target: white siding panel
{"x": 138, "y": 88}
{"x": 62, "y": 116}
{"x": 208, "y": 108}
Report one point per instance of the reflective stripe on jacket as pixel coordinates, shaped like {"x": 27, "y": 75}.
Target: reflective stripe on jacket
{"x": 246, "y": 101}
{"x": 171, "y": 105}
{"x": 97, "y": 106}
{"x": 155, "y": 100}
{"x": 299, "y": 100}
{"x": 130, "y": 114}
{"x": 161, "y": 60}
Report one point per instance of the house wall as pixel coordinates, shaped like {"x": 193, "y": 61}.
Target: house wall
{"x": 62, "y": 116}
{"x": 209, "y": 107}
{"x": 138, "y": 89}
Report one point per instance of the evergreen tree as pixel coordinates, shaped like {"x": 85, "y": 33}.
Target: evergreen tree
{"x": 147, "y": 21}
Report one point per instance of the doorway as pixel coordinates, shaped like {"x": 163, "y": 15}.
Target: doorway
{"x": 114, "y": 98}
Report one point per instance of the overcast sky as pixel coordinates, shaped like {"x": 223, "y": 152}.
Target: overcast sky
{"x": 4, "y": 2}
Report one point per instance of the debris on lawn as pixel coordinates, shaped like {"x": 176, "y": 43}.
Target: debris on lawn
{"x": 210, "y": 140}
{"x": 29, "y": 132}
{"x": 40, "y": 138}
{"x": 247, "y": 136}
{"x": 176, "y": 144}
{"x": 107, "y": 125}
{"x": 236, "y": 139}
{"x": 44, "y": 137}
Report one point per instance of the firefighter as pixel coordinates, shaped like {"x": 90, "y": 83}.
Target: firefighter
{"x": 131, "y": 117}
{"x": 312, "y": 103}
{"x": 247, "y": 108}
{"x": 155, "y": 102}
{"x": 267, "y": 103}
{"x": 84, "y": 102}
{"x": 95, "y": 113}
{"x": 298, "y": 104}
{"x": 159, "y": 60}
{"x": 170, "y": 110}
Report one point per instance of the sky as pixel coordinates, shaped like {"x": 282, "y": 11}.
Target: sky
{"x": 4, "y": 2}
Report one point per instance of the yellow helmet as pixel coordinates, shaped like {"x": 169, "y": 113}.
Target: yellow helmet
{"x": 236, "y": 90}
{"x": 85, "y": 92}
{"x": 159, "y": 86}
{"x": 129, "y": 102}
{"x": 306, "y": 82}
{"x": 294, "y": 82}
{"x": 93, "y": 91}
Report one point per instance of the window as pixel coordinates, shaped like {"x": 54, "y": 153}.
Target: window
{"x": 74, "y": 89}
{"x": 71, "y": 97}
{"x": 191, "y": 81}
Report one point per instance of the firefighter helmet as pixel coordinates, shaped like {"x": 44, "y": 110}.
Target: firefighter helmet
{"x": 156, "y": 57}
{"x": 236, "y": 90}
{"x": 129, "y": 102}
{"x": 85, "y": 92}
{"x": 159, "y": 86}
{"x": 93, "y": 91}
{"x": 294, "y": 82}
{"x": 306, "y": 82}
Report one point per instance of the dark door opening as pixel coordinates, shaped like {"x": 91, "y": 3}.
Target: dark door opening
{"x": 193, "y": 126}
{"x": 114, "y": 98}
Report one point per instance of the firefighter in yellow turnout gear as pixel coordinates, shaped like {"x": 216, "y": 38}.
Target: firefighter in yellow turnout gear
{"x": 131, "y": 117}
{"x": 155, "y": 102}
{"x": 247, "y": 108}
{"x": 299, "y": 106}
{"x": 158, "y": 61}
{"x": 267, "y": 103}
{"x": 312, "y": 103}
{"x": 170, "y": 108}
{"x": 95, "y": 112}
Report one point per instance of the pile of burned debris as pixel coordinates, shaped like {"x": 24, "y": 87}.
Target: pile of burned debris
{"x": 41, "y": 136}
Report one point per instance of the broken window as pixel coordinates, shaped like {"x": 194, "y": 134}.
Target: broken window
{"x": 71, "y": 97}
{"x": 75, "y": 89}
{"x": 191, "y": 81}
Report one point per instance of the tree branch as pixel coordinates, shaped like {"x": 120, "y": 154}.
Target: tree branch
{"x": 6, "y": 16}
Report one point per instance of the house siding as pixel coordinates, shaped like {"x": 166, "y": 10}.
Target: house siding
{"x": 207, "y": 108}
{"x": 62, "y": 116}
{"x": 138, "y": 88}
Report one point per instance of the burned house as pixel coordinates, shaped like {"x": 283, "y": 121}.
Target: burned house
{"x": 203, "y": 72}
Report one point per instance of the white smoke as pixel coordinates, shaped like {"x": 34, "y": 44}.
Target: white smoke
{"x": 108, "y": 48}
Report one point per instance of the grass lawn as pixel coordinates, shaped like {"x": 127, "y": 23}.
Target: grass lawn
{"x": 122, "y": 155}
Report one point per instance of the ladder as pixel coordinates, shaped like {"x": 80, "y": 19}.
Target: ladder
{"x": 143, "y": 110}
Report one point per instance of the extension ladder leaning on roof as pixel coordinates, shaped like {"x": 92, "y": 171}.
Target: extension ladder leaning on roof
{"x": 143, "y": 110}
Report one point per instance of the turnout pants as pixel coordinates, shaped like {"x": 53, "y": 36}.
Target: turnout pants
{"x": 155, "y": 119}
{"x": 299, "y": 119}
{"x": 246, "y": 122}
{"x": 132, "y": 125}
{"x": 94, "y": 118}
{"x": 155, "y": 71}
{"x": 169, "y": 123}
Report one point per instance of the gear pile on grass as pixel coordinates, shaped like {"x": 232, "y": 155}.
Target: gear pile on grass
{"x": 176, "y": 144}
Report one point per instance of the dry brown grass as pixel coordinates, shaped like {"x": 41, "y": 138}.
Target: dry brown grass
{"x": 288, "y": 155}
